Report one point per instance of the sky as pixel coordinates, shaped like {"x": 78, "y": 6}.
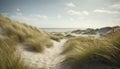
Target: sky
{"x": 63, "y": 13}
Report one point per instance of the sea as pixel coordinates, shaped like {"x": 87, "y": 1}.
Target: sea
{"x": 68, "y": 30}
{"x": 59, "y": 29}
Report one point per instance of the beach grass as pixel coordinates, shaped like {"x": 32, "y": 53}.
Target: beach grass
{"x": 8, "y": 58}
{"x": 81, "y": 51}
{"x": 25, "y": 34}
{"x": 56, "y": 36}
{"x": 13, "y": 33}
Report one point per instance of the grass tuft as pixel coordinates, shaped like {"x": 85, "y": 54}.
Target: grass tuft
{"x": 82, "y": 51}
{"x": 8, "y": 58}
{"x": 56, "y": 36}
{"x": 23, "y": 33}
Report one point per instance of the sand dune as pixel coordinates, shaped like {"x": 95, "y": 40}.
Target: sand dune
{"x": 48, "y": 59}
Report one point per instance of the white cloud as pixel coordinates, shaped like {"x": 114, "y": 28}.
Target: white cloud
{"x": 18, "y": 9}
{"x": 102, "y": 11}
{"x": 85, "y": 13}
{"x": 116, "y": 6}
{"x": 32, "y": 19}
{"x": 59, "y": 16}
{"x": 70, "y": 4}
{"x": 106, "y": 11}
{"x": 77, "y": 13}
{"x": 21, "y": 17}
{"x": 73, "y": 12}
{"x": 72, "y": 19}
{"x": 18, "y": 13}
{"x": 42, "y": 16}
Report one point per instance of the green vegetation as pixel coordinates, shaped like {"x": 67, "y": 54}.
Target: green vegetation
{"x": 69, "y": 36}
{"x": 8, "y": 58}
{"x": 84, "y": 51}
{"x": 11, "y": 34}
{"x": 79, "y": 51}
{"x": 114, "y": 37}
{"x": 56, "y": 36}
{"x": 25, "y": 34}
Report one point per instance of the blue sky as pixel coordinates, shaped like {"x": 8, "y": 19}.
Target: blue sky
{"x": 63, "y": 13}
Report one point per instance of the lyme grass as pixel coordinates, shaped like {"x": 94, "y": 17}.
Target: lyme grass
{"x": 56, "y": 36}
{"x": 82, "y": 51}
{"x": 23, "y": 33}
{"x": 8, "y": 59}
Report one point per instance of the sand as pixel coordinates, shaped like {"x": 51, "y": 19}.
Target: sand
{"x": 48, "y": 60}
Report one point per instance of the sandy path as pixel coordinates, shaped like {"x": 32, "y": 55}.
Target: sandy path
{"x": 49, "y": 59}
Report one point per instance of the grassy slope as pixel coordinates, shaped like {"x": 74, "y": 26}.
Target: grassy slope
{"x": 85, "y": 51}
{"x": 13, "y": 33}
{"x": 8, "y": 59}
{"x": 56, "y": 36}
{"x": 25, "y": 34}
